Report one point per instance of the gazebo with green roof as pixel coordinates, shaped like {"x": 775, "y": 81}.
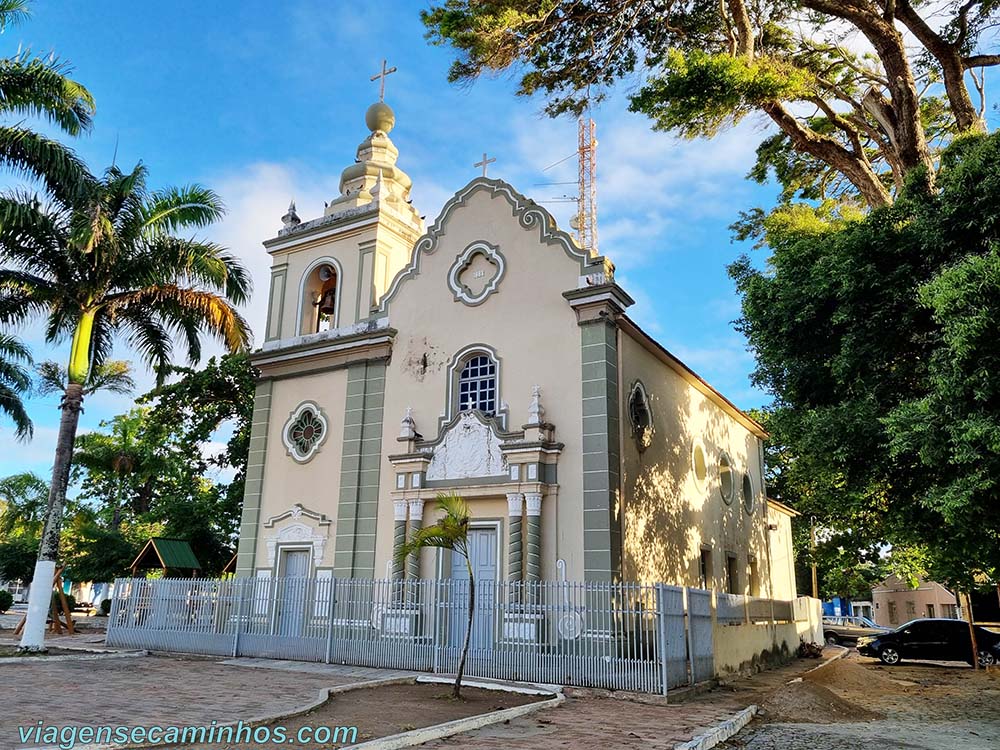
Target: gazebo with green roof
{"x": 173, "y": 556}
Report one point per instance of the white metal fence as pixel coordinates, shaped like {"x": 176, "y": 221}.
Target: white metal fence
{"x": 622, "y": 636}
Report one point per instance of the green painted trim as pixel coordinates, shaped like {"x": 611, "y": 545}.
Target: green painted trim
{"x": 464, "y": 259}
{"x": 246, "y": 551}
{"x": 279, "y": 279}
{"x": 454, "y": 370}
{"x": 601, "y": 460}
{"x": 366, "y": 248}
{"x": 357, "y": 511}
{"x": 525, "y": 212}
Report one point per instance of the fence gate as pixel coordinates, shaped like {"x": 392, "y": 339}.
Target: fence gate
{"x": 619, "y": 636}
{"x": 699, "y": 611}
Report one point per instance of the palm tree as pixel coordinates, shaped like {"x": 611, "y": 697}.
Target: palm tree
{"x": 130, "y": 462}
{"x": 103, "y": 258}
{"x": 14, "y": 383}
{"x": 40, "y": 87}
{"x": 451, "y": 532}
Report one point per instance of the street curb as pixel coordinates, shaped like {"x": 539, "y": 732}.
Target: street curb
{"x": 404, "y": 739}
{"x": 720, "y": 732}
{"x": 469, "y": 723}
{"x": 86, "y": 655}
{"x": 323, "y": 696}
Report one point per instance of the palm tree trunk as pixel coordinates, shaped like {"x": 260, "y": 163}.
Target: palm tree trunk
{"x": 40, "y": 595}
{"x": 457, "y": 691}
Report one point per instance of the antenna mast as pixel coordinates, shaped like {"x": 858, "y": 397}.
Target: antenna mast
{"x": 586, "y": 219}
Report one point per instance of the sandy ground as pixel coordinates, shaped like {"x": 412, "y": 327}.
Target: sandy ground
{"x": 858, "y": 703}
{"x": 386, "y": 710}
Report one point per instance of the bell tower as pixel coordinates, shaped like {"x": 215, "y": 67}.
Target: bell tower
{"x": 331, "y": 272}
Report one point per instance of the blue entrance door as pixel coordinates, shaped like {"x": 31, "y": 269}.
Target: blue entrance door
{"x": 295, "y": 579}
{"x": 483, "y": 556}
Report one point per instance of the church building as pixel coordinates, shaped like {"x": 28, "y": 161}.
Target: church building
{"x": 486, "y": 354}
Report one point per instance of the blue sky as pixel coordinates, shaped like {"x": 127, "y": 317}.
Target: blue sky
{"x": 265, "y": 101}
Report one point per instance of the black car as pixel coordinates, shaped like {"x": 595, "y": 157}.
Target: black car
{"x": 936, "y": 639}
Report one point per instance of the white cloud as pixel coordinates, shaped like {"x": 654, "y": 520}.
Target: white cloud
{"x": 256, "y": 197}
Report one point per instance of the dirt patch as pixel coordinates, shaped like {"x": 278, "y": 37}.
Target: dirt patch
{"x": 849, "y": 677}
{"x": 809, "y": 703}
{"x": 10, "y": 651}
{"x": 383, "y": 711}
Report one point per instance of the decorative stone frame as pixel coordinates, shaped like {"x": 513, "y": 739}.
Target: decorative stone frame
{"x": 642, "y": 434}
{"x": 454, "y": 373}
{"x": 293, "y": 417}
{"x": 298, "y": 534}
{"x": 304, "y": 304}
{"x": 478, "y": 248}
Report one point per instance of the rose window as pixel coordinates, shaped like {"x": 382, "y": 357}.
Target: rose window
{"x": 304, "y": 432}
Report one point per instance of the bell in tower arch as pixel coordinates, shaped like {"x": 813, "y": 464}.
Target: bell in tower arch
{"x": 327, "y": 301}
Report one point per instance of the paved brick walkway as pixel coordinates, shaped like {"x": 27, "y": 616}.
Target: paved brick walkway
{"x": 589, "y": 719}
{"x": 134, "y": 691}
{"x": 148, "y": 691}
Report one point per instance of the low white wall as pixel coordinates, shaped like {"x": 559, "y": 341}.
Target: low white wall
{"x": 747, "y": 648}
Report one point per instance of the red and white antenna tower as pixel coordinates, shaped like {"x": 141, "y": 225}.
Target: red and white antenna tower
{"x": 586, "y": 218}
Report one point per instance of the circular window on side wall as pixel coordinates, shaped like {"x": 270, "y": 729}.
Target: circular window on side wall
{"x": 699, "y": 464}
{"x": 640, "y": 416}
{"x": 727, "y": 480}
{"x": 749, "y": 500}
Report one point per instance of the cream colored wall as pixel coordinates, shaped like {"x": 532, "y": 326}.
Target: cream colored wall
{"x": 345, "y": 249}
{"x": 537, "y": 339}
{"x": 315, "y": 484}
{"x": 668, "y": 516}
{"x": 895, "y": 591}
{"x": 369, "y": 256}
{"x": 782, "y": 555}
{"x": 747, "y": 648}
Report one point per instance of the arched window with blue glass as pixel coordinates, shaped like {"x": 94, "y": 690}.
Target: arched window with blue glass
{"x": 477, "y": 385}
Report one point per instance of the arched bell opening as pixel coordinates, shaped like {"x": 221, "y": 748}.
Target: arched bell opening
{"x": 320, "y": 299}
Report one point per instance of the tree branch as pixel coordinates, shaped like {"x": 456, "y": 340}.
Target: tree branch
{"x": 855, "y": 167}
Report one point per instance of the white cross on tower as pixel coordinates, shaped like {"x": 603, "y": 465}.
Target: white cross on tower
{"x": 385, "y": 72}
{"x": 484, "y": 163}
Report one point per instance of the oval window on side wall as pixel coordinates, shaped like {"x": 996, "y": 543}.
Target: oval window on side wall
{"x": 749, "y": 500}
{"x": 727, "y": 480}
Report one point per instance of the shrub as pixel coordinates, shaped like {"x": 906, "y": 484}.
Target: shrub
{"x": 6, "y": 600}
{"x": 70, "y": 601}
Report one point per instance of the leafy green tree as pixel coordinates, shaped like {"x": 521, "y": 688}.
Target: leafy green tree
{"x": 107, "y": 258}
{"x": 15, "y": 383}
{"x": 23, "y": 498}
{"x": 120, "y": 467}
{"x": 93, "y": 552}
{"x": 150, "y": 466}
{"x": 450, "y": 532}
{"x": 197, "y": 406}
{"x": 873, "y": 337}
{"x": 17, "y": 558}
{"x": 848, "y": 122}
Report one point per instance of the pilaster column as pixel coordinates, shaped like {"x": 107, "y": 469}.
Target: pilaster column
{"x": 416, "y": 522}
{"x": 398, "y": 537}
{"x": 515, "y": 508}
{"x": 533, "y": 508}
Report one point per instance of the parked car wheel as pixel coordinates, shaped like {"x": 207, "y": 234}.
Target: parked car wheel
{"x": 832, "y": 640}
{"x": 889, "y": 655}
{"x": 986, "y": 659}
